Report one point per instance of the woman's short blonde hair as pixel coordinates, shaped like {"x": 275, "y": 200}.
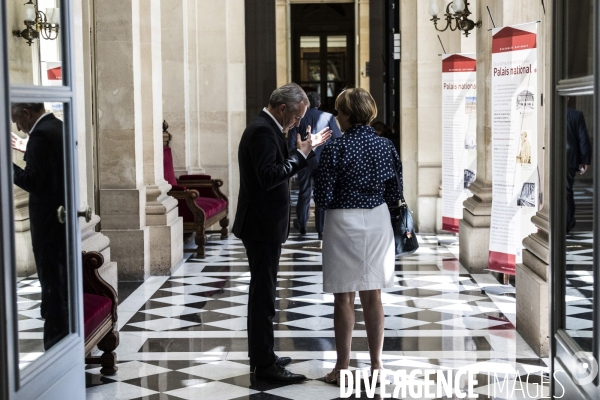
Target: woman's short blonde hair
{"x": 358, "y": 104}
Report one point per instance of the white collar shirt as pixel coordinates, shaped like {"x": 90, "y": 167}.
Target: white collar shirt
{"x": 36, "y": 122}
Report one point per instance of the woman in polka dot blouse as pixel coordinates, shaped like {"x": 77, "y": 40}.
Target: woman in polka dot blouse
{"x": 355, "y": 180}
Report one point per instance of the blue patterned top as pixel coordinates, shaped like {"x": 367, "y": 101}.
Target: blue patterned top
{"x": 355, "y": 171}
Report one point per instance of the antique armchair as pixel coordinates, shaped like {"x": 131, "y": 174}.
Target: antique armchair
{"x": 100, "y": 315}
{"x": 201, "y": 202}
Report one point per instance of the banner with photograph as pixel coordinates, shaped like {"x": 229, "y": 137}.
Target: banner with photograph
{"x": 515, "y": 179}
{"x": 459, "y": 141}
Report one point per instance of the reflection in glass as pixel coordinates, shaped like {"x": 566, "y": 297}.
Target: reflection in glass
{"x": 40, "y": 237}
{"x": 337, "y": 73}
{"x": 310, "y": 63}
{"x": 579, "y": 30}
{"x": 579, "y": 276}
{"x": 35, "y": 56}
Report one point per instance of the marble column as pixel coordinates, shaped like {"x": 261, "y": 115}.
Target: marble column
{"x": 120, "y": 136}
{"x": 180, "y": 82}
{"x": 474, "y": 228}
{"x": 162, "y": 216}
{"x": 421, "y": 108}
{"x": 533, "y": 274}
{"x": 282, "y": 36}
{"x": 222, "y": 87}
{"x": 91, "y": 238}
{"x": 363, "y": 47}
{"x": 20, "y": 62}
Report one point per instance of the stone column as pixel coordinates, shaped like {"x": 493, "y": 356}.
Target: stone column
{"x": 474, "y": 228}
{"x": 533, "y": 274}
{"x": 20, "y": 64}
{"x": 91, "y": 239}
{"x": 421, "y": 107}
{"x": 363, "y": 17}
{"x": 282, "y": 29}
{"x": 222, "y": 67}
{"x": 162, "y": 218}
{"x": 179, "y": 80}
{"x": 120, "y": 136}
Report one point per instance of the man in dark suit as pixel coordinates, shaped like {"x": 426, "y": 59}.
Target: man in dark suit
{"x": 262, "y": 219}
{"x": 43, "y": 179}
{"x": 314, "y": 120}
{"x": 579, "y": 157}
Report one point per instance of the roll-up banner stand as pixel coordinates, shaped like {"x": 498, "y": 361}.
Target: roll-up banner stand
{"x": 459, "y": 135}
{"x": 515, "y": 182}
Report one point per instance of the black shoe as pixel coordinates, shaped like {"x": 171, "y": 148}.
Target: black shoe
{"x": 275, "y": 373}
{"x": 320, "y": 235}
{"x": 281, "y": 361}
{"x": 571, "y": 226}
{"x": 297, "y": 226}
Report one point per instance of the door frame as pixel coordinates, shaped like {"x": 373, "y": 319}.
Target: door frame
{"x": 562, "y": 347}
{"x": 61, "y": 369}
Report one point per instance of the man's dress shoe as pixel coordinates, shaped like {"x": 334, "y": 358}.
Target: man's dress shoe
{"x": 281, "y": 361}
{"x": 297, "y": 226}
{"x": 275, "y": 373}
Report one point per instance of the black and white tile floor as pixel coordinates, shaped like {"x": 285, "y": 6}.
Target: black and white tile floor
{"x": 579, "y": 272}
{"x": 184, "y": 336}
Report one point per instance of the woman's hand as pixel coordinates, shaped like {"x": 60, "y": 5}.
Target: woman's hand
{"x": 18, "y": 143}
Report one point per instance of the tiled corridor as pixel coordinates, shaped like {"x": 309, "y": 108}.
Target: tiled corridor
{"x": 184, "y": 336}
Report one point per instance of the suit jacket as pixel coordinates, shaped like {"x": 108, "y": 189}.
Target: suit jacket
{"x": 43, "y": 178}
{"x": 579, "y": 149}
{"x": 266, "y": 165}
{"x": 317, "y": 120}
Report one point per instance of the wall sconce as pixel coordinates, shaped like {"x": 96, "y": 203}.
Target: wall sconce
{"x": 38, "y": 22}
{"x": 460, "y": 16}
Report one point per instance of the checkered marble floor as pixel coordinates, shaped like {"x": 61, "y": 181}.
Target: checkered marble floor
{"x": 30, "y": 324}
{"x": 579, "y": 273}
{"x": 184, "y": 336}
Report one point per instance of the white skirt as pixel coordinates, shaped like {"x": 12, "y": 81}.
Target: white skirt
{"x": 358, "y": 250}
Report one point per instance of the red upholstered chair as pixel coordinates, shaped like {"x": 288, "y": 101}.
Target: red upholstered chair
{"x": 201, "y": 202}
{"x": 100, "y": 315}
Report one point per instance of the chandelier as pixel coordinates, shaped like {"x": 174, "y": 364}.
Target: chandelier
{"x": 457, "y": 16}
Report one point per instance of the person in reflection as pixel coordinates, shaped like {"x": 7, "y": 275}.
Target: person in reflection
{"x": 262, "y": 221}
{"x": 579, "y": 155}
{"x": 356, "y": 181}
{"x": 314, "y": 120}
{"x": 43, "y": 179}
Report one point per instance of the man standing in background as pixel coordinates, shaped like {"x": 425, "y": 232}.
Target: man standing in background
{"x": 579, "y": 155}
{"x": 314, "y": 121}
{"x": 43, "y": 179}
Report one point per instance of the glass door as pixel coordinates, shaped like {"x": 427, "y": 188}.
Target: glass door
{"x": 323, "y": 49}
{"x": 324, "y": 66}
{"x": 41, "y": 298}
{"x": 574, "y": 221}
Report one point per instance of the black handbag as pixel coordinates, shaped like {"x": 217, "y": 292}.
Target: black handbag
{"x": 403, "y": 226}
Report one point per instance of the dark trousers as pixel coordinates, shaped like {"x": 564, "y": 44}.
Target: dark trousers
{"x": 571, "y": 172}
{"x": 51, "y": 267}
{"x": 305, "y": 182}
{"x": 263, "y": 258}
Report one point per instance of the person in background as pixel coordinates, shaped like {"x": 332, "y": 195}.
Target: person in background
{"x": 356, "y": 181}
{"x": 579, "y": 155}
{"x": 43, "y": 179}
{"x": 382, "y": 130}
{"x": 314, "y": 120}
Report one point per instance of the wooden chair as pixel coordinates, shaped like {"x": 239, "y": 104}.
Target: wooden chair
{"x": 100, "y": 315}
{"x": 201, "y": 202}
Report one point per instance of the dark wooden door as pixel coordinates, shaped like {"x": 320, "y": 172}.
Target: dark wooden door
{"x": 323, "y": 49}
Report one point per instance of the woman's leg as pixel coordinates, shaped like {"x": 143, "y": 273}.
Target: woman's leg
{"x": 343, "y": 323}
{"x": 374, "y": 319}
